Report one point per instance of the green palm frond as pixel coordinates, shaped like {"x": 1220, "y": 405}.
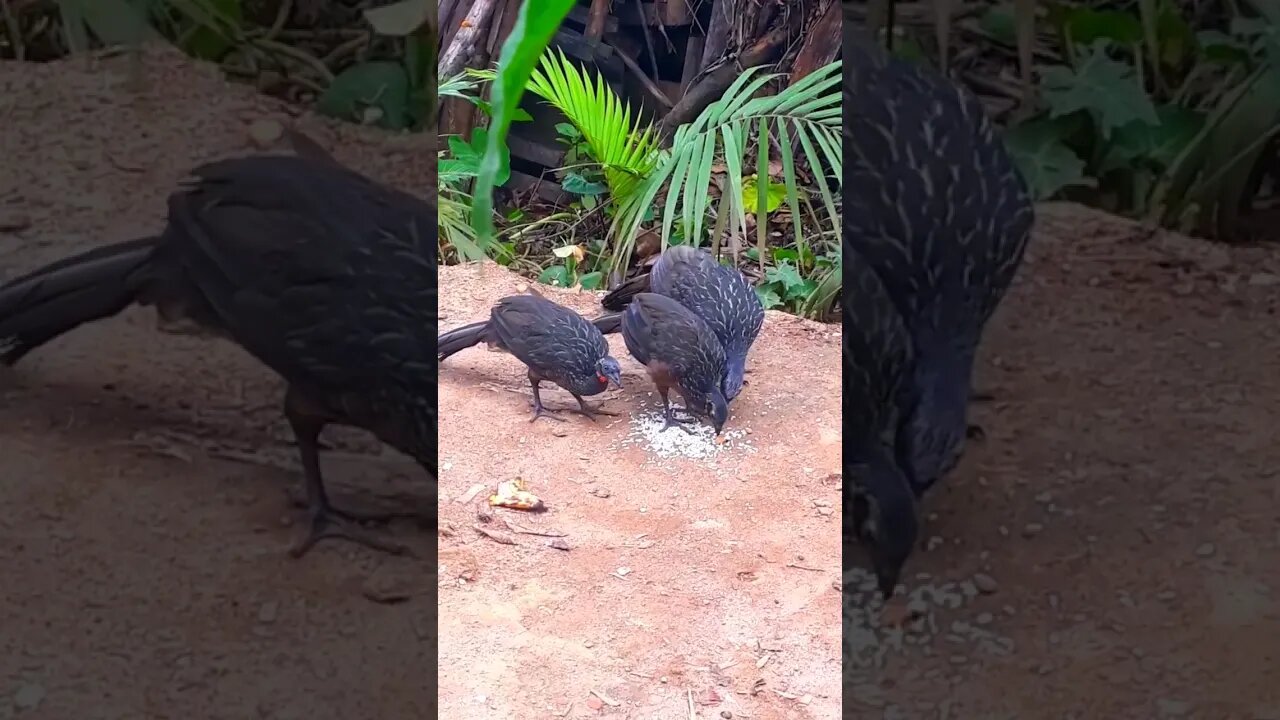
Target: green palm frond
{"x": 626, "y": 151}
{"x": 806, "y": 116}
{"x": 454, "y": 222}
{"x": 458, "y": 86}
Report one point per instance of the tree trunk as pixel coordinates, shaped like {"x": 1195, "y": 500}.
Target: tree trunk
{"x": 712, "y": 85}
{"x": 821, "y": 43}
{"x": 472, "y": 29}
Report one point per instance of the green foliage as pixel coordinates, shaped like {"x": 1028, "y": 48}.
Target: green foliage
{"x": 625, "y": 150}
{"x": 530, "y": 36}
{"x": 1149, "y": 116}
{"x": 396, "y": 95}
{"x": 1107, "y": 89}
{"x": 806, "y": 115}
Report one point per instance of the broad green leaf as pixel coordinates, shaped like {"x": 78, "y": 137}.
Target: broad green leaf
{"x": 114, "y": 22}
{"x": 399, "y": 18}
{"x": 785, "y": 275}
{"x": 768, "y": 298}
{"x": 1222, "y": 48}
{"x": 591, "y": 280}
{"x": 1108, "y": 89}
{"x": 557, "y": 275}
{"x": 997, "y": 23}
{"x": 208, "y": 37}
{"x": 1160, "y": 143}
{"x": 381, "y": 87}
{"x": 529, "y": 37}
{"x": 750, "y": 200}
{"x": 801, "y": 290}
{"x": 1086, "y": 26}
{"x": 1176, "y": 38}
{"x": 575, "y": 183}
{"x": 1045, "y": 161}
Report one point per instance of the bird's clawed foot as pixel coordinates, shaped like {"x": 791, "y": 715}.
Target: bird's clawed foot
{"x": 673, "y": 421}
{"x": 330, "y": 524}
{"x": 540, "y": 411}
{"x": 592, "y": 412}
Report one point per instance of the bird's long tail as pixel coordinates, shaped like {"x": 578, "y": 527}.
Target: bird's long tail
{"x": 608, "y": 323}
{"x": 618, "y": 298}
{"x": 461, "y": 339}
{"x": 57, "y": 298}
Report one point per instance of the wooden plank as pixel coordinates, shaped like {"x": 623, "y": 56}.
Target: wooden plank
{"x": 821, "y": 42}
{"x": 655, "y": 13}
{"x": 546, "y": 188}
{"x": 524, "y": 148}
{"x": 575, "y": 45}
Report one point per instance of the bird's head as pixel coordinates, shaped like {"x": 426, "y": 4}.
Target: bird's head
{"x": 932, "y": 433}
{"x": 717, "y": 408}
{"x": 735, "y": 367}
{"x": 608, "y": 371}
{"x": 882, "y": 510}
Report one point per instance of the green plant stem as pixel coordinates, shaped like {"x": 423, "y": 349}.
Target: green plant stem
{"x": 301, "y": 56}
{"x": 14, "y": 30}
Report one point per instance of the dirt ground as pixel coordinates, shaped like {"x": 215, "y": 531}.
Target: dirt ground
{"x": 709, "y": 546}
{"x": 1109, "y": 551}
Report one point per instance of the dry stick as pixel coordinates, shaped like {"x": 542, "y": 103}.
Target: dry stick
{"x": 648, "y": 40}
{"x": 473, "y": 27}
{"x": 648, "y": 84}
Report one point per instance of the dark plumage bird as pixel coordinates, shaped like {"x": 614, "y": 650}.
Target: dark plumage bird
{"x": 322, "y": 274}
{"x": 880, "y": 507}
{"x": 556, "y": 343}
{"x": 935, "y": 206}
{"x": 719, "y": 295}
{"x": 680, "y": 351}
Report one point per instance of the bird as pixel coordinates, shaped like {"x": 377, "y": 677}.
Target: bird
{"x": 324, "y": 275}
{"x": 556, "y": 343}
{"x": 937, "y": 213}
{"x": 680, "y": 350}
{"x": 880, "y": 509}
{"x": 939, "y": 210}
{"x": 718, "y": 294}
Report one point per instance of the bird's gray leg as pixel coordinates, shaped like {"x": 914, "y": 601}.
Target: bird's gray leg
{"x": 538, "y": 409}
{"x": 671, "y": 419}
{"x": 326, "y": 521}
{"x": 591, "y": 412}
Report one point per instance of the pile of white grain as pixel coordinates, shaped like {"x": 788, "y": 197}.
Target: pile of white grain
{"x": 673, "y": 442}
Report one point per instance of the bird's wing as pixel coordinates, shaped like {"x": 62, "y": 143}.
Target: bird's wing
{"x": 322, "y": 274}
{"x": 719, "y": 295}
{"x": 877, "y": 351}
{"x": 936, "y": 204}
{"x": 551, "y": 338}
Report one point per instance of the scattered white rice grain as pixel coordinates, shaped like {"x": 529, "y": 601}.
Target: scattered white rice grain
{"x": 699, "y": 443}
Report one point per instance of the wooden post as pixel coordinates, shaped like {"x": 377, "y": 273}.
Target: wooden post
{"x": 821, "y": 42}
{"x": 676, "y": 12}
{"x": 717, "y": 33}
{"x": 692, "y": 63}
{"x": 595, "y": 20}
